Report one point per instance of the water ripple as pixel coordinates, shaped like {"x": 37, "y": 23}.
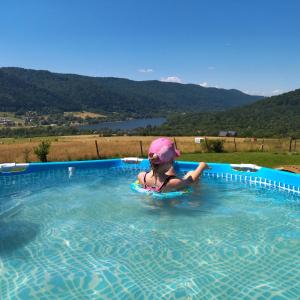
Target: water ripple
{"x": 90, "y": 237}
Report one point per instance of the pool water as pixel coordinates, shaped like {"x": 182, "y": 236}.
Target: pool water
{"x": 90, "y": 237}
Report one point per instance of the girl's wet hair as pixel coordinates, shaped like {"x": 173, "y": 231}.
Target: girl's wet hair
{"x": 154, "y": 166}
{"x": 157, "y": 166}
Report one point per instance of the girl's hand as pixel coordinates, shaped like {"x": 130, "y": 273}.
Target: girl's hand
{"x": 204, "y": 166}
{"x": 193, "y": 176}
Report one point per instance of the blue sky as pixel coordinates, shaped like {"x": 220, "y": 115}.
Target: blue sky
{"x": 252, "y": 45}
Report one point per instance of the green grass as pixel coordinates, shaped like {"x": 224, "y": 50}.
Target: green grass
{"x": 262, "y": 159}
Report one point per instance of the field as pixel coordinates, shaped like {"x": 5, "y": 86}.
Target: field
{"x": 265, "y": 152}
{"x": 84, "y": 114}
{"x": 265, "y": 159}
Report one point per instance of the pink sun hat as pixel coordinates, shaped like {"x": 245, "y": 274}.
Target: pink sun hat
{"x": 162, "y": 150}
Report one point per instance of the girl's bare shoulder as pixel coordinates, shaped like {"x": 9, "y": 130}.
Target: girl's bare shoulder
{"x": 141, "y": 177}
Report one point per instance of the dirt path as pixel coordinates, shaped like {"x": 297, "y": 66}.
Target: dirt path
{"x": 289, "y": 168}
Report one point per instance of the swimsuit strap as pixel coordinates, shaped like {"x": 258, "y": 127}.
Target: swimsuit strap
{"x": 166, "y": 182}
{"x": 145, "y": 178}
{"x": 145, "y": 183}
{"x": 157, "y": 189}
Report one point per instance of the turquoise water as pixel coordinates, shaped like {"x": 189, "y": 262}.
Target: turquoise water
{"x": 90, "y": 237}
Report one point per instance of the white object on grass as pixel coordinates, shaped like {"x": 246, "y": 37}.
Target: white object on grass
{"x": 199, "y": 139}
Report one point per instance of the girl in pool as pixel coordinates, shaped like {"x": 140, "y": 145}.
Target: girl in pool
{"x": 162, "y": 178}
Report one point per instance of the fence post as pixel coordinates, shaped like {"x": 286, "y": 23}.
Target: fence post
{"x": 97, "y": 149}
{"x": 141, "y": 146}
{"x": 234, "y": 145}
{"x": 291, "y": 141}
{"x": 206, "y": 144}
{"x": 175, "y": 143}
{"x": 290, "y": 146}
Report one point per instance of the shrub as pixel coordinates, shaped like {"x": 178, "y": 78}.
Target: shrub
{"x": 216, "y": 146}
{"x": 42, "y": 150}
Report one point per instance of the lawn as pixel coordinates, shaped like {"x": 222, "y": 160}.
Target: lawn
{"x": 262, "y": 159}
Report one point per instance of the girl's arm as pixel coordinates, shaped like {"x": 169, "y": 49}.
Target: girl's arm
{"x": 193, "y": 176}
{"x": 190, "y": 178}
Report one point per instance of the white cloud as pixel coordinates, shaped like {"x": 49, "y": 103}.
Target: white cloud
{"x": 171, "y": 79}
{"x": 146, "y": 70}
{"x": 276, "y": 92}
{"x": 211, "y": 68}
{"x": 204, "y": 84}
{"x": 255, "y": 93}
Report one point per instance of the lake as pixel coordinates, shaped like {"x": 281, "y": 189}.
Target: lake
{"x": 125, "y": 125}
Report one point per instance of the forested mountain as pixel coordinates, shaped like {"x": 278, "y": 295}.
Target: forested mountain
{"x": 277, "y": 116}
{"x": 42, "y": 91}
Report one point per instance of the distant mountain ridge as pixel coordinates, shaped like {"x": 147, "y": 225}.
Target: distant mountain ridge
{"x": 47, "y": 92}
{"x": 277, "y": 116}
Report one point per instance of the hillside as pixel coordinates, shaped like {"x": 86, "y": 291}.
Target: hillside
{"x": 277, "y": 116}
{"x": 23, "y": 89}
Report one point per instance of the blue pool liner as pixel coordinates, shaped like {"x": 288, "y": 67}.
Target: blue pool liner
{"x": 261, "y": 176}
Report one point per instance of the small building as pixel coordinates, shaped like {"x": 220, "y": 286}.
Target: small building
{"x": 6, "y": 122}
{"x": 228, "y": 133}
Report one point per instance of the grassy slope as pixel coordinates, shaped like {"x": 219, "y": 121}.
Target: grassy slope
{"x": 277, "y": 116}
{"x": 259, "y": 158}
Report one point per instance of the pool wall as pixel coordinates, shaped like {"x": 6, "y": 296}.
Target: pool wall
{"x": 262, "y": 176}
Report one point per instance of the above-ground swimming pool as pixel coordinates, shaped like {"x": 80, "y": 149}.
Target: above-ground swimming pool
{"x": 77, "y": 231}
